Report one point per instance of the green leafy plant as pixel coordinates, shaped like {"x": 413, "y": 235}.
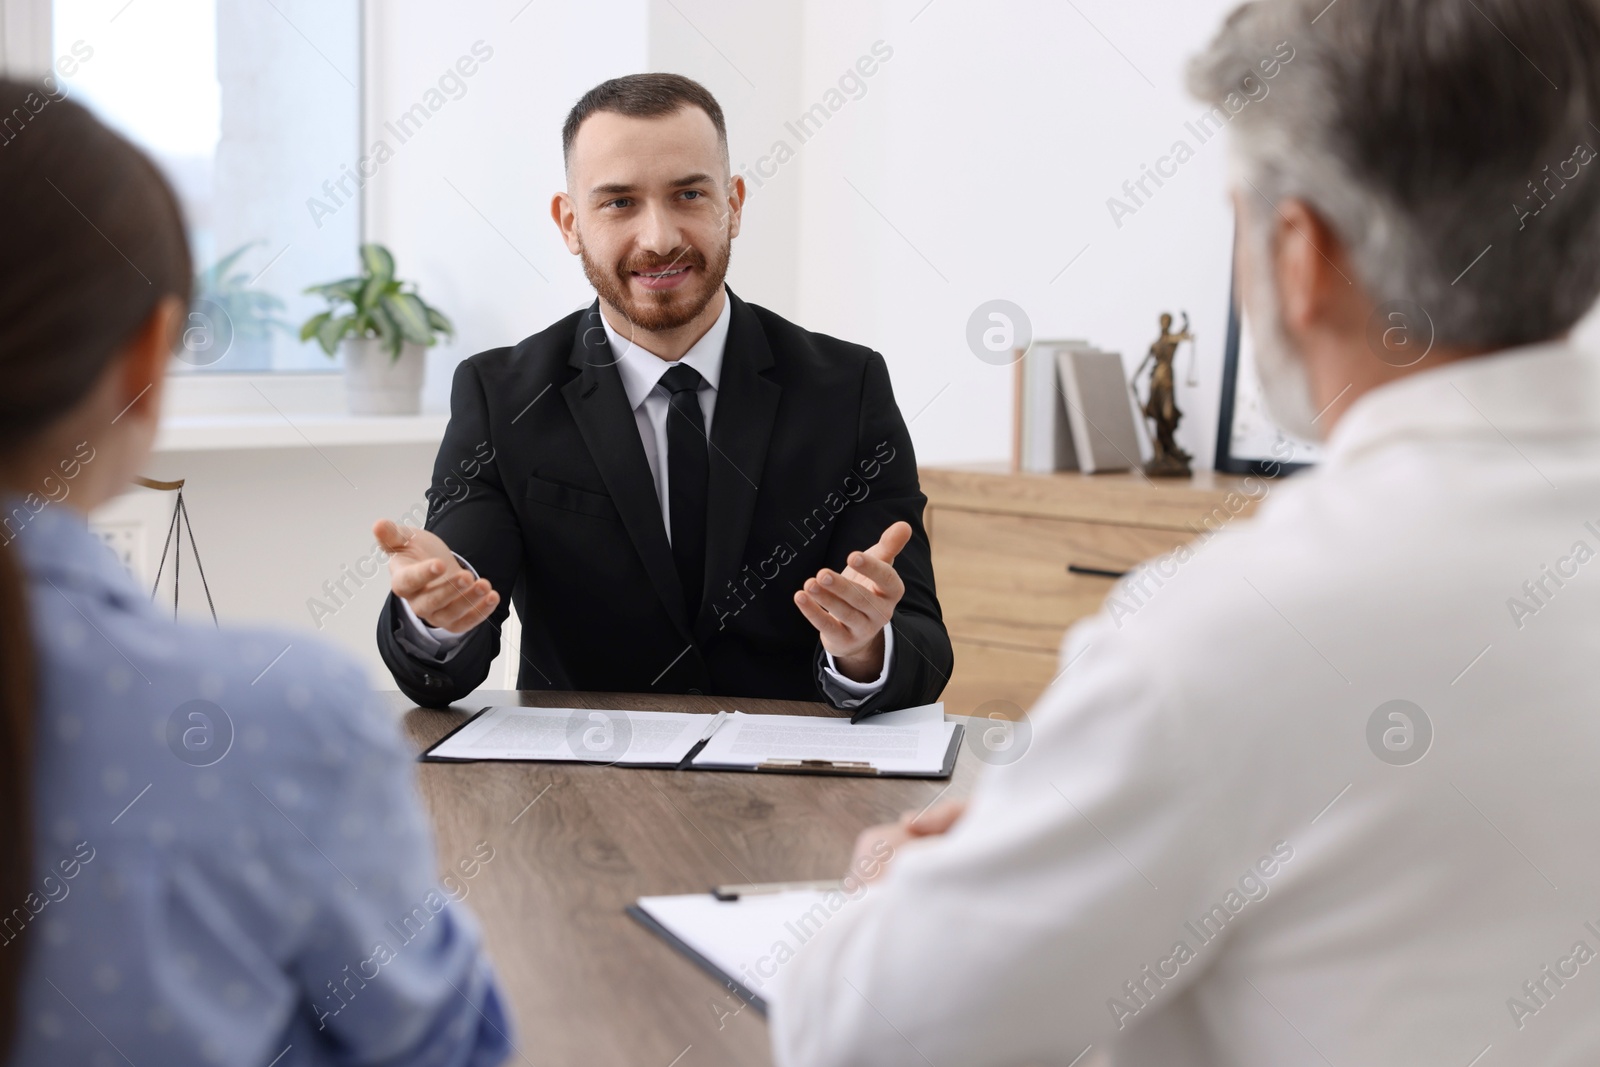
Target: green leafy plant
{"x": 253, "y": 313}
{"x": 374, "y": 304}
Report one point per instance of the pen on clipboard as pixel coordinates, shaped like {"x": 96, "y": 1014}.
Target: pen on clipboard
{"x": 734, "y": 892}
{"x": 835, "y": 766}
{"x": 711, "y": 727}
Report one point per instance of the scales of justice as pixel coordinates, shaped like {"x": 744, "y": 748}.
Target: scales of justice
{"x": 174, "y": 544}
{"x": 1159, "y": 405}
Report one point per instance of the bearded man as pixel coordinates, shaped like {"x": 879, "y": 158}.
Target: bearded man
{"x": 680, "y": 491}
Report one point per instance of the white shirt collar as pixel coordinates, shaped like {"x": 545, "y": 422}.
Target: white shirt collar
{"x": 641, "y": 369}
{"x": 1548, "y": 388}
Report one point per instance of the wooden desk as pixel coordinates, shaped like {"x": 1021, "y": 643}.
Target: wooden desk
{"x": 574, "y": 844}
{"x": 1004, "y": 545}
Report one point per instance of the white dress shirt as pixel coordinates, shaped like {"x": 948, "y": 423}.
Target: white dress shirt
{"x": 1201, "y": 858}
{"x": 641, "y": 371}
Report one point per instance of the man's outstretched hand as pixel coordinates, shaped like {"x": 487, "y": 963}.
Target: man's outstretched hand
{"x": 850, "y": 609}
{"x": 425, "y": 574}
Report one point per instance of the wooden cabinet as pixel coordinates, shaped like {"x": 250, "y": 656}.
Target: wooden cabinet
{"x": 1003, "y": 544}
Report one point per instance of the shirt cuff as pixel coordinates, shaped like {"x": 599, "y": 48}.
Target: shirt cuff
{"x": 847, "y": 692}
{"x": 432, "y": 642}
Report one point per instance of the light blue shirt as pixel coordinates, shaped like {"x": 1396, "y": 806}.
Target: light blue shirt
{"x": 231, "y": 865}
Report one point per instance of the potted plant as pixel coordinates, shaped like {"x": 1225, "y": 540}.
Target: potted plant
{"x": 239, "y": 320}
{"x": 383, "y": 327}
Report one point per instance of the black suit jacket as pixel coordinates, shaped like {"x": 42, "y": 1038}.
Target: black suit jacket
{"x": 541, "y": 483}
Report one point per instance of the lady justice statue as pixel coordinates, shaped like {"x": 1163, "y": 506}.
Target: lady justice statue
{"x": 1160, "y": 405}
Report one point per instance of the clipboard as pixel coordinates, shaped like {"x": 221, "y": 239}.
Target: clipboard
{"x": 850, "y": 768}
{"x": 427, "y": 755}
{"x": 741, "y": 935}
{"x": 724, "y": 979}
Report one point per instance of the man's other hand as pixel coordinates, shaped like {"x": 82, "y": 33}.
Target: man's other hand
{"x": 877, "y": 845}
{"x": 425, "y": 574}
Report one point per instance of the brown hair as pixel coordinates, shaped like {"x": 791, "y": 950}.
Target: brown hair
{"x": 643, "y": 96}
{"x": 94, "y": 240}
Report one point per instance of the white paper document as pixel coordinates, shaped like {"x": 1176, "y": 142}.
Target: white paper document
{"x": 748, "y": 941}
{"x": 584, "y": 735}
{"x": 915, "y": 741}
{"x": 755, "y": 740}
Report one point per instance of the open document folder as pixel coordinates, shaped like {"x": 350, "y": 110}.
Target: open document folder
{"x": 914, "y": 743}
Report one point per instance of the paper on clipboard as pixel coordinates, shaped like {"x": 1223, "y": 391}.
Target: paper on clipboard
{"x": 917, "y": 743}
{"x": 743, "y": 943}
{"x": 648, "y": 738}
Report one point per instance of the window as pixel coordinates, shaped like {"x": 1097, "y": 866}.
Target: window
{"x": 252, "y": 109}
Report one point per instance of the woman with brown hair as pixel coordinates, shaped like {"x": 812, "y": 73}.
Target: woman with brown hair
{"x": 206, "y": 855}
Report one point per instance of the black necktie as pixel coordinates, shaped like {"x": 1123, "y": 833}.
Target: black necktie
{"x": 688, "y": 473}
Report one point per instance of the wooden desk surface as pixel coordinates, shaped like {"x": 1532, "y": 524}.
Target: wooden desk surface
{"x": 574, "y": 844}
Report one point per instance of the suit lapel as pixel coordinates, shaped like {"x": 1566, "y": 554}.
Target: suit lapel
{"x": 741, "y": 427}
{"x": 599, "y": 405}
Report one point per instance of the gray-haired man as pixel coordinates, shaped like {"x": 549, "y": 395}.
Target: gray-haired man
{"x": 1330, "y": 796}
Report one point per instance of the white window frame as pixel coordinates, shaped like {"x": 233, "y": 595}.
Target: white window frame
{"x": 25, "y": 38}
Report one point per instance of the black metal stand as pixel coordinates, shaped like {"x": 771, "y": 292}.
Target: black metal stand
{"x": 174, "y": 544}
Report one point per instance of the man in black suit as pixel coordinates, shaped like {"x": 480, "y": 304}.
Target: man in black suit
{"x": 681, "y": 491}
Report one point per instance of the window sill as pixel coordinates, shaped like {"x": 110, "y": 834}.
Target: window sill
{"x": 208, "y": 433}
{"x": 237, "y": 411}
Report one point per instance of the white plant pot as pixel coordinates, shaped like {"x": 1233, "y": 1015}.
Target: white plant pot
{"x": 376, "y": 383}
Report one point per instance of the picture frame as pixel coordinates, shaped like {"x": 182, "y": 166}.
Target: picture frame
{"x": 1248, "y": 441}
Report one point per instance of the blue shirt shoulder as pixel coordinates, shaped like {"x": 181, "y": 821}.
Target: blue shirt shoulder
{"x": 231, "y": 859}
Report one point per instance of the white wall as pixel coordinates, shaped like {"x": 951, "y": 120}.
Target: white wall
{"x": 990, "y": 142}
{"x": 465, "y": 203}
{"x": 749, "y": 56}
